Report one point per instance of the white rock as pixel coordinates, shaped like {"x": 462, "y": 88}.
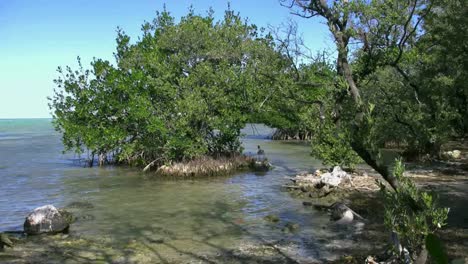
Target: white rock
{"x": 454, "y": 154}
{"x": 39, "y": 214}
{"x": 330, "y": 179}
{"x": 338, "y": 172}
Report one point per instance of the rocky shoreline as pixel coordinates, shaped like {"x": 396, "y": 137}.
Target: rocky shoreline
{"x": 359, "y": 190}
{"x": 351, "y": 199}
{"x": 327, "y": 187}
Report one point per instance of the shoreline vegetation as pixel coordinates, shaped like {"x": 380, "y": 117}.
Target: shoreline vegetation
{"x": 362, "y": 193}
{"x": 166, "y": 101}
{"x": 286, "y": 134}
{"x": 198, "y": 167}
{"x": 183, "y": 91}
{"x": 208, "y": 166}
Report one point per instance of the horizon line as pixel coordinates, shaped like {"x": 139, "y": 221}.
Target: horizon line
{"x": 10, "y": 118}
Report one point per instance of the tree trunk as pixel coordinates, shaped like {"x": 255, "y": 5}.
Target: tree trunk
{"x": 344, "y": 69}
{"x": 382, "y": 169}
{"x": 91, "y": 161}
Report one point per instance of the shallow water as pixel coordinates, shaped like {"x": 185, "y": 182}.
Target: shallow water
{"x": 190, "y": 217}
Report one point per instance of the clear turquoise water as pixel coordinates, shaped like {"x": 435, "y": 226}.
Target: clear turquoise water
{"x": 129, "y": 205}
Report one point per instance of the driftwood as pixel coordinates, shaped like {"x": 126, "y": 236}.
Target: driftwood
{"x": 150, "y": 165}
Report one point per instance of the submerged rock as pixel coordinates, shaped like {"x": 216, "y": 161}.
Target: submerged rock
{"x": 290, "y": 227}
{"x": 272, "y": 218}
{"x": 80, "y": 205}
{"x": 69, "y": 217}
{"x": 47, "y": 219}
{"x": 5, "y": 241}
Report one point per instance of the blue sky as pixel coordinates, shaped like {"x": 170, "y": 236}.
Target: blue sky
{"x": 39, "y": 35}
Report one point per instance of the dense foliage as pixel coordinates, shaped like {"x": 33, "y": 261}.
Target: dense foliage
{"x": 400, "y": 79}
{"x": 183, "y": 90}
{"x": 292, "y": 92}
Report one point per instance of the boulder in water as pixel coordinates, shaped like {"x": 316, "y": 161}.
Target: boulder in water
{"x": 341, "y": 213}
{"x": 260, "y": 165}
{"x": 46, "y": 219}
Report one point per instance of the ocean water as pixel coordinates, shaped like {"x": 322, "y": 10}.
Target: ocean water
{"x": 124, "y": 204}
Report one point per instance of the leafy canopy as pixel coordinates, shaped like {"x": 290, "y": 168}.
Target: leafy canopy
{"x": 181, "y": 91}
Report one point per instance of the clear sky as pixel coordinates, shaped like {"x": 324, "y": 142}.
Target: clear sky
{"x": 36, "y": 36}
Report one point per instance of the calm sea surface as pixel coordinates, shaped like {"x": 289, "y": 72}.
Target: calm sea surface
{"x": 125, "y": 204}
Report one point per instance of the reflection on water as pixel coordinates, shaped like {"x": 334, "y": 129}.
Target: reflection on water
{"x": 126, "y": 205}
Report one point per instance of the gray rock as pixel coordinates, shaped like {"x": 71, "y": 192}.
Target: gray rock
{"x": 46, "y": 219}
{"x": 341, "y": 213}
{"x": 263, "y": 165}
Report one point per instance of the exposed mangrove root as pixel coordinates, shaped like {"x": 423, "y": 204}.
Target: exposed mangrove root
{"x": 150, "y": 165}
{"x": 286, "y": 134}
{"x": 208, "y": 166}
